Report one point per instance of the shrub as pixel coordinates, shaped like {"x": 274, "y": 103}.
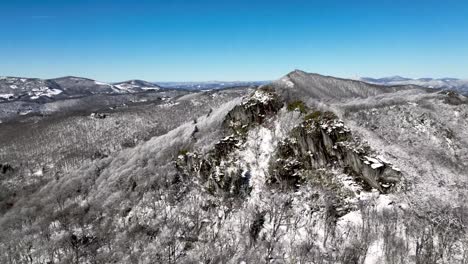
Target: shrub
{"x": 313, "y": 116}
{"x": 297, "y": 105}
{"x": 183, "y": 152}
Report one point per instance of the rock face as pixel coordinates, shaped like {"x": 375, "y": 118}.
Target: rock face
{"x": 322, "y": 141}
{"x": 262, "y": 104}
{"x": 212, "y": 167}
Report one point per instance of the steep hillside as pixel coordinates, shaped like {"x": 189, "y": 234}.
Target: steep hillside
{"x": 309, "y": 169}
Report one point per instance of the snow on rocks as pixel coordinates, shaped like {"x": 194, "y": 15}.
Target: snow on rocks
{"x": 334, "y": 125}
{"x": 377, "y": 162}
{"x": 261, "y": 97}
{"x": 376, "y": 165}
{"x": 6, "y": 96}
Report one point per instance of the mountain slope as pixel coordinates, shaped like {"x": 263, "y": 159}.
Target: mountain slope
{"x": 299, "y": 84}
{"x": 322, "y": 170}
{"x": 136, "y": 86}
{"x": 39, "y": 90}
{"x": 27, "y": 88}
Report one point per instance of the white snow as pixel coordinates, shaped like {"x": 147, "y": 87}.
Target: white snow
{"x": 352, "y": 218}
{"x": 43, "y": 91}
{"x": 101, "y": 83}
{"x": 6, "y": 96}
{"x": 373, "y": 160}
{"x": 39, "y": 173}
{"x": 375, "y": 253}
{"x": 381, "y": 158}
{"x": 259, "y": 147}
{"x": 288, "y": 82}
{"x": 126, "y": 86}
{"x": 150, "y": 88}
{"x": 25, "y": 112}
{"x": 261, "y": 96}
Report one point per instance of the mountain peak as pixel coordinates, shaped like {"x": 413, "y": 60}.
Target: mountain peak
{"x": 300, "y": 84}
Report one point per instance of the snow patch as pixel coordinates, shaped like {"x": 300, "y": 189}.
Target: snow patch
{"x": 102, "y": 83}
{"x": 375, "y": 253}
{"x": 261, "y": 97}
{"x": 39, "y": 173}
{"x": 287, "y": 82}
{"x": 6, "y": 96}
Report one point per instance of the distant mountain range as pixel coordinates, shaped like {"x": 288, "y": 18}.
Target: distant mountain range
{"x": 442, "y": 83}
{"x": 43, "y": 90}
{"x": 13, "y": 88}
{"x": 209, "y": 85}
{"x": 18, "y": 88}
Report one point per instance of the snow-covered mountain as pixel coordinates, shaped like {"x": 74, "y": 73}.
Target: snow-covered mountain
{"x": 14, "y": 88}
{"x": 442, "y": 83}
{"x": 306, "y": 169}
{"x": 136, "y": 86}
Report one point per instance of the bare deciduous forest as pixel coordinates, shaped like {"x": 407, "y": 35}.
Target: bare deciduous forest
{"x": 288, "y": 172}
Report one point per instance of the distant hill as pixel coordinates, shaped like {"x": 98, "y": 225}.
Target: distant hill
{"x": 34, "y": 89}
{"x": 455, "y": 84}
{"x": 208, "y": 85}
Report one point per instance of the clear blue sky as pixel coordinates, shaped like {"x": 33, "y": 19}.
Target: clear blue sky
{"x": 178, "y": 40}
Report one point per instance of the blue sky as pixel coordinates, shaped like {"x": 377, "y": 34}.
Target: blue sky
{"x": 178, "y": 40}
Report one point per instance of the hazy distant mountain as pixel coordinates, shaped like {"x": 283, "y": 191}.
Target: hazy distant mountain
{"x": 386, "y": 79}
{"x": 442, "y": 83}
{"x": 208, "y": 85}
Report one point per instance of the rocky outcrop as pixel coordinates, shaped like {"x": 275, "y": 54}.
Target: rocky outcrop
{"x": 216, "y": 169}
{"x": 263, "y": 103}
{"x": 322, "y": 141}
